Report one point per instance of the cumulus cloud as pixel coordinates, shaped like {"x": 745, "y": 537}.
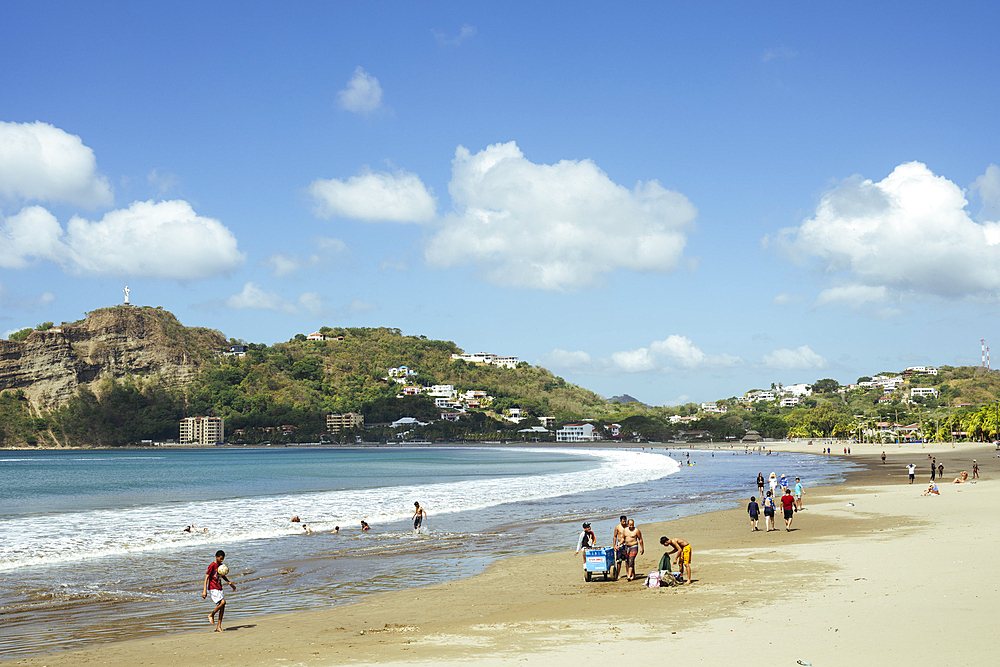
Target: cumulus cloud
{"x": 375, "y": 196}
{"x": 555, "y": 227}
{"x": 465, "y": 33}
{"x": 148, "y": 239}
{"x": 41, "y": 162}
{"x": 909, "y": 234}
{"x": 363, "y": 94}
{"x": 799, "y": 359}
{"x": 285, "y": 264}
{"x": 674, "y": 353}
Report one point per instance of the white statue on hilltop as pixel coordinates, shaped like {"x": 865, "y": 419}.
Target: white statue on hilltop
{"x": 126, "y": 290}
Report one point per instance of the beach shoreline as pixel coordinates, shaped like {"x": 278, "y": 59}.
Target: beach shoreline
{"x": 538, "y": 608}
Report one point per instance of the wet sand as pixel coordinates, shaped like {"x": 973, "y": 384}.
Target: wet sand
{"x": 872, "y": 571}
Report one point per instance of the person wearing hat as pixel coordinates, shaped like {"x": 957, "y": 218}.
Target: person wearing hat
{"x": 587, "y": 539}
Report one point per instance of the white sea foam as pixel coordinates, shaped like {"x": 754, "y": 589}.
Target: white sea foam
{"x": 74, "y": 536}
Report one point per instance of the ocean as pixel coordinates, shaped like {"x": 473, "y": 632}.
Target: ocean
{"x": 94, "y": 547}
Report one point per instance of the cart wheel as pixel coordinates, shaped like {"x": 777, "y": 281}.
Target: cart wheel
{"x": 586, "y": 575}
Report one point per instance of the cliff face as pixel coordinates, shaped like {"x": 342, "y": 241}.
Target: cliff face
{"x": 51, "y": 366}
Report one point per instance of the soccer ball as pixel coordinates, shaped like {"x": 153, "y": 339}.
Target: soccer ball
{"x": 223, "y": 570}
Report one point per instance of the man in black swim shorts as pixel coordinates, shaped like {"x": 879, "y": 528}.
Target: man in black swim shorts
{"x": 418, "y": 517}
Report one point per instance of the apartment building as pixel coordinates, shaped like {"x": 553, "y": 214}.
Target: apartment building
{"x": 344, "y": 422}
{"x": 202, "y": 431}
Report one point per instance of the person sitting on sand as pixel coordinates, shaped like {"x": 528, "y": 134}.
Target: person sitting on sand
{"x": 932, "y": 490}
{"x": 962, "y": 478}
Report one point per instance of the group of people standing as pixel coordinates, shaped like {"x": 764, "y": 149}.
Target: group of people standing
{"x": 789, "y": 499}
{"x": 627, "y": 542}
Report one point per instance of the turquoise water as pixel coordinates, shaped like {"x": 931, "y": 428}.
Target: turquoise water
{"x": 92, "y": 537}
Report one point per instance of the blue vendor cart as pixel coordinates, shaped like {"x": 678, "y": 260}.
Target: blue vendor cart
{"x": 600, "y": 560}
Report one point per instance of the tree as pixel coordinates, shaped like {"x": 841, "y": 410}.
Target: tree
{"x": 825, "y": 386}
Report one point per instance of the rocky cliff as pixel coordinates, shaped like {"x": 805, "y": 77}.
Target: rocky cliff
{"x": 51, "y": 366}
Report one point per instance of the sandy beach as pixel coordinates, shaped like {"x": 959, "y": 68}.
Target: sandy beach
{"x": 872, "y": 571}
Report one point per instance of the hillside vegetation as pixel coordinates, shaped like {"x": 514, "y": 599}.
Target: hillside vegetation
{"x": 282, "y": 393}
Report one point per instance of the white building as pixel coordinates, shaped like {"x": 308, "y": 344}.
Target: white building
{"x": 797, "y": 390}
{"x": 316, "y": 336}
{"x": 202, "y": 430}
{"x": 921, "y": 370}
{"x": 923, "y": 391}
{"x": 789, "y": 401}
{"x": 441, "y": 390}
{"x": 577, "y": 433}
{"x": 761, "y": 395}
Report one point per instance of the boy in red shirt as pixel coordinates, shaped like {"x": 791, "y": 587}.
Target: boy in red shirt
{"x": 788, "y": 505}
{"x": 213, "y": 585}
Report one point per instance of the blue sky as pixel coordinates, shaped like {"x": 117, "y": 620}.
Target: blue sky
{"x": 680, "y": 203}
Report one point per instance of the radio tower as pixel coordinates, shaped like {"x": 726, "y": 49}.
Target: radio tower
{"x": 982, "y": 344}
{"x": 987, "y": 357}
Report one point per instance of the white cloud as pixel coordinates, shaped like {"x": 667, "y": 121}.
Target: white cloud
{"x": 164, "y": 239}
{"x": 907, "y": 234}
{"x": 254, "y": 296}
{"x": 375, "y": 196}
{"x": 363, "y": 94}
{"x": 31, "y": 234}
{"x": 151, "y": 240}
{"x": 466, "y": 32}
{"x": 46, "y": 298}
{"x": 799, "y": 359}
{"x": 359, "y": 307}
{"x": 283, "y": 264}
{"x": 988, "y": 187}
{"x": 556, "y": 227}
{"x": 673, "y": 354}
{"x": 40, "y": 162}
{"x": 634, "y": 361}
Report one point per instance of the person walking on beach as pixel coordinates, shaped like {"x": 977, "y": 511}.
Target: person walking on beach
{"x": 753, "y": 509}
{"x": 418, "y": 516}
{"x": 911, "y": 470}
{"x": 633, "y": 547}
{"x": 941, "y": 471}
{"x": 769, "y": 512}
{"x": 975, "y": 469}
{"x": 587, "y": 540}
{"x": 798, "y": 494}
{"x": 760, "y": 484}
{"x": 883, "y": 458}
{"x": 933, "y": 469}
{"x": 683, "y": 551}
{"x": 213, "y": 585}
{"x": 788, "y": 505}
{"x": 772, "y": 482}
